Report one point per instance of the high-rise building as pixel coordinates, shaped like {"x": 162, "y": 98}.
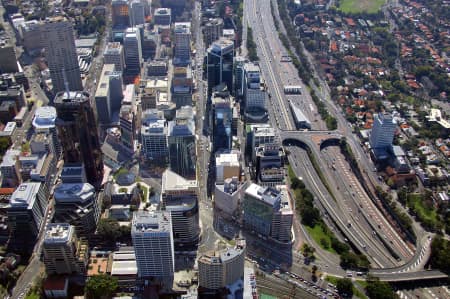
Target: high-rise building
{"x": 220, "y": 64}
{"x": 8, "y": 60}
{"x": 77, "y": 204}
{"x": 267, "y": 212}
{"x": 154, "y": 137}
{"x": 181, "y": 143}
{"x": 212, "y": 30}
{"x": 227, "y": 166}
{"x": 128, "y": 125}
{"x": 153, "y": 245}
{"x": 77, "y": 131}
{"x": 254, "y": 94}
{"x": 30, "y": 32}
{"x": 239, "y": 64}
{"x": 182, "y": 85}
{"x": 259, "y": 135}
{"x": 222, "y": 268}
{"x": 162, "y": 16}
{"x": 137, "y": 13}
{"x": 228, "y": 196}
{"x": 222, "y": 122}
{"x": 64, "y": 253}
{"x": 182, "y": 48}
{"x": 132, "y": 50}
{"x": 26, "y": 210}
{"x": 179, "y": 196}
{"x": 120, "y": 14}
{"x": 114, "y": 55}
{"x": 270, "y": 164}
{"x": 103, "y": 96}
{"x": 383, "y": 131}
{"x": 60, "y": 50}
{"x": 44, "y": 122}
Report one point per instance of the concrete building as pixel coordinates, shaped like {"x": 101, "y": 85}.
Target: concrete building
{"x": 77, "y": 204}
{"x": 154, "y": 138}
{"x": 26, "y": 211}
{"x": 228, "y": 196}
{"x": 383, "y": 131}
{"x": 222, "y": 268}
{"x": 219, "y": 64}
{"x": 265, "y": 212}
{"x": 153, "y": 245}
{"x": 157, "y": 68}
{"x": 162, "y": 16}
{"x": 77, "y": 131}
{"x": 103, "y": 96}
{"x": 212, "y": 30}
{"x": 181, "y": 143}
{"x": 44, "y": 122}
{"x": 114, "y": 54}
{"x": 9, "y": 169}
{"x": 64, "y": 253}
{"x": 227, "y": 166}
{"x": 270, "y": 164}
{"x": 120, "y": 14}
{"x": 182, "y": 41}
{"x": 239, "y": 64}
{"x": 128, "y": 125}
{"x": 61, "y": 54}
{"x": 259, "y": 134}
{"x": 182, "y": 86}
{"x": 132, "y": 51}
{"x": 137, "y": 13}
{"x": 30, "y": 32}
{"x": 179, "y": 196}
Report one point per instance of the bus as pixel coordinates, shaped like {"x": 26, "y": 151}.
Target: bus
{"x": 292, "y": 89}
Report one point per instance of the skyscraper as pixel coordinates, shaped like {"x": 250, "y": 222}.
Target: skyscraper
{"x": 212, "y": 30}
{"x": 182, "y": 49}
{"x": 133, "y": 51}
{"x": 220, "y": 64}
{"x": 120, "y": 14}
{"x": 153, "y": 245}
{"x": 60, "y": 50}
{"x": 181, "y": 143}
{"x": 137, "y": 13}
{"x": 383, "y": 131}
{"x": 64, "y": 253}
{"x": 77, "y": 130}
{"x": 114, "y": 55}
{"x": 222, "y": 121}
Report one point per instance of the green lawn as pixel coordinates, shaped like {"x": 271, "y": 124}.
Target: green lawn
{"x": 32, "y": 296}
{"x": 358, "y": 6}
{"x": 320, "y": 237}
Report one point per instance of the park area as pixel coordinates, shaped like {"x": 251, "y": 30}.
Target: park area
{"x": 360, "y": 6}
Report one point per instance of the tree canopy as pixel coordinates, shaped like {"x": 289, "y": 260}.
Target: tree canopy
{"x": 345, "y": 287}
{"x": 101, "y": 286}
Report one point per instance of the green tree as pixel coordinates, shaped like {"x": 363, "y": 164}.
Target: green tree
{"x": 345, "y": 287}
{"x": 101, "y": 286}
{"x": 377, "y": 289}
{"x": 109, "y": 230}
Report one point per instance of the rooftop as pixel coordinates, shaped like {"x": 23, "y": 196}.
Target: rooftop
{"x": 58, "y": 233}
{"x": 44, "y": 117}
{"x": 74, "y": 191}
{"x": 103, "y": 83}
{"x": 151, "y": 222}
{"x": 229, "y": 159}
{"x": 25, "y": 195}
{"x": 265, "y": 194}
{"x": 171, "y": 181}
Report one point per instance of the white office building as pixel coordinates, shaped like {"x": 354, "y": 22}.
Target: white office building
{"x": 383, "y": 131}
{"x": 114, "y": 55}
{"x": 153, "y": 245}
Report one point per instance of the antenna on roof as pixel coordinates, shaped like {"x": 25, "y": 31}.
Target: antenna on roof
{"x": 66, "y": 83}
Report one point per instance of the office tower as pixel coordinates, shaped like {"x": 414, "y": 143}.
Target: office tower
{"x": 239, "y": 64}
{"x": 73, "y": 173}
{"x": 227, "y": 166}
{"x": 8, "y": 60}
{"x": 63, "y": 252}
{"x": 128, "y": 125}
{"x": 77, "y": 131}
{"x": 259, "y": 134}
{"x": 153, "y": 245}
{"x": 115, "y": 90}
{"x": 228, "y": 196}
{"x": 162, "y": 16}
{"x": 26, "y": 210}
{"x": 44, "y": 122}
{"x": 181, "y": 143}
{"x": 267, "y": 212}
{"x": 179, "y": 197}
{"x": 30, "y": 31}
{"x": 383, "y": 131}
{"x": 114, "y": 55}
{"x": 61, "y": 54}
{"x": 9, "y": 169}
{"x": 154, "y": 137}
{"x": 137, "y": 13}
{"x": 120, "y": 14}
{"x": 222, "y": 268}
{"x": 254, "y": 94}
{"x": 133, "y": 51}
{"x": 182, "y": 48}
{"x": 182, "y": 84}
{"x": 219, "y": 65}
{"x": 77, "y": 204}
{"x": 103, "y": 96}
{"x": 212, "y": 30}
{"x": 222, "y": 121}
{"x": 270, "y": 164}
